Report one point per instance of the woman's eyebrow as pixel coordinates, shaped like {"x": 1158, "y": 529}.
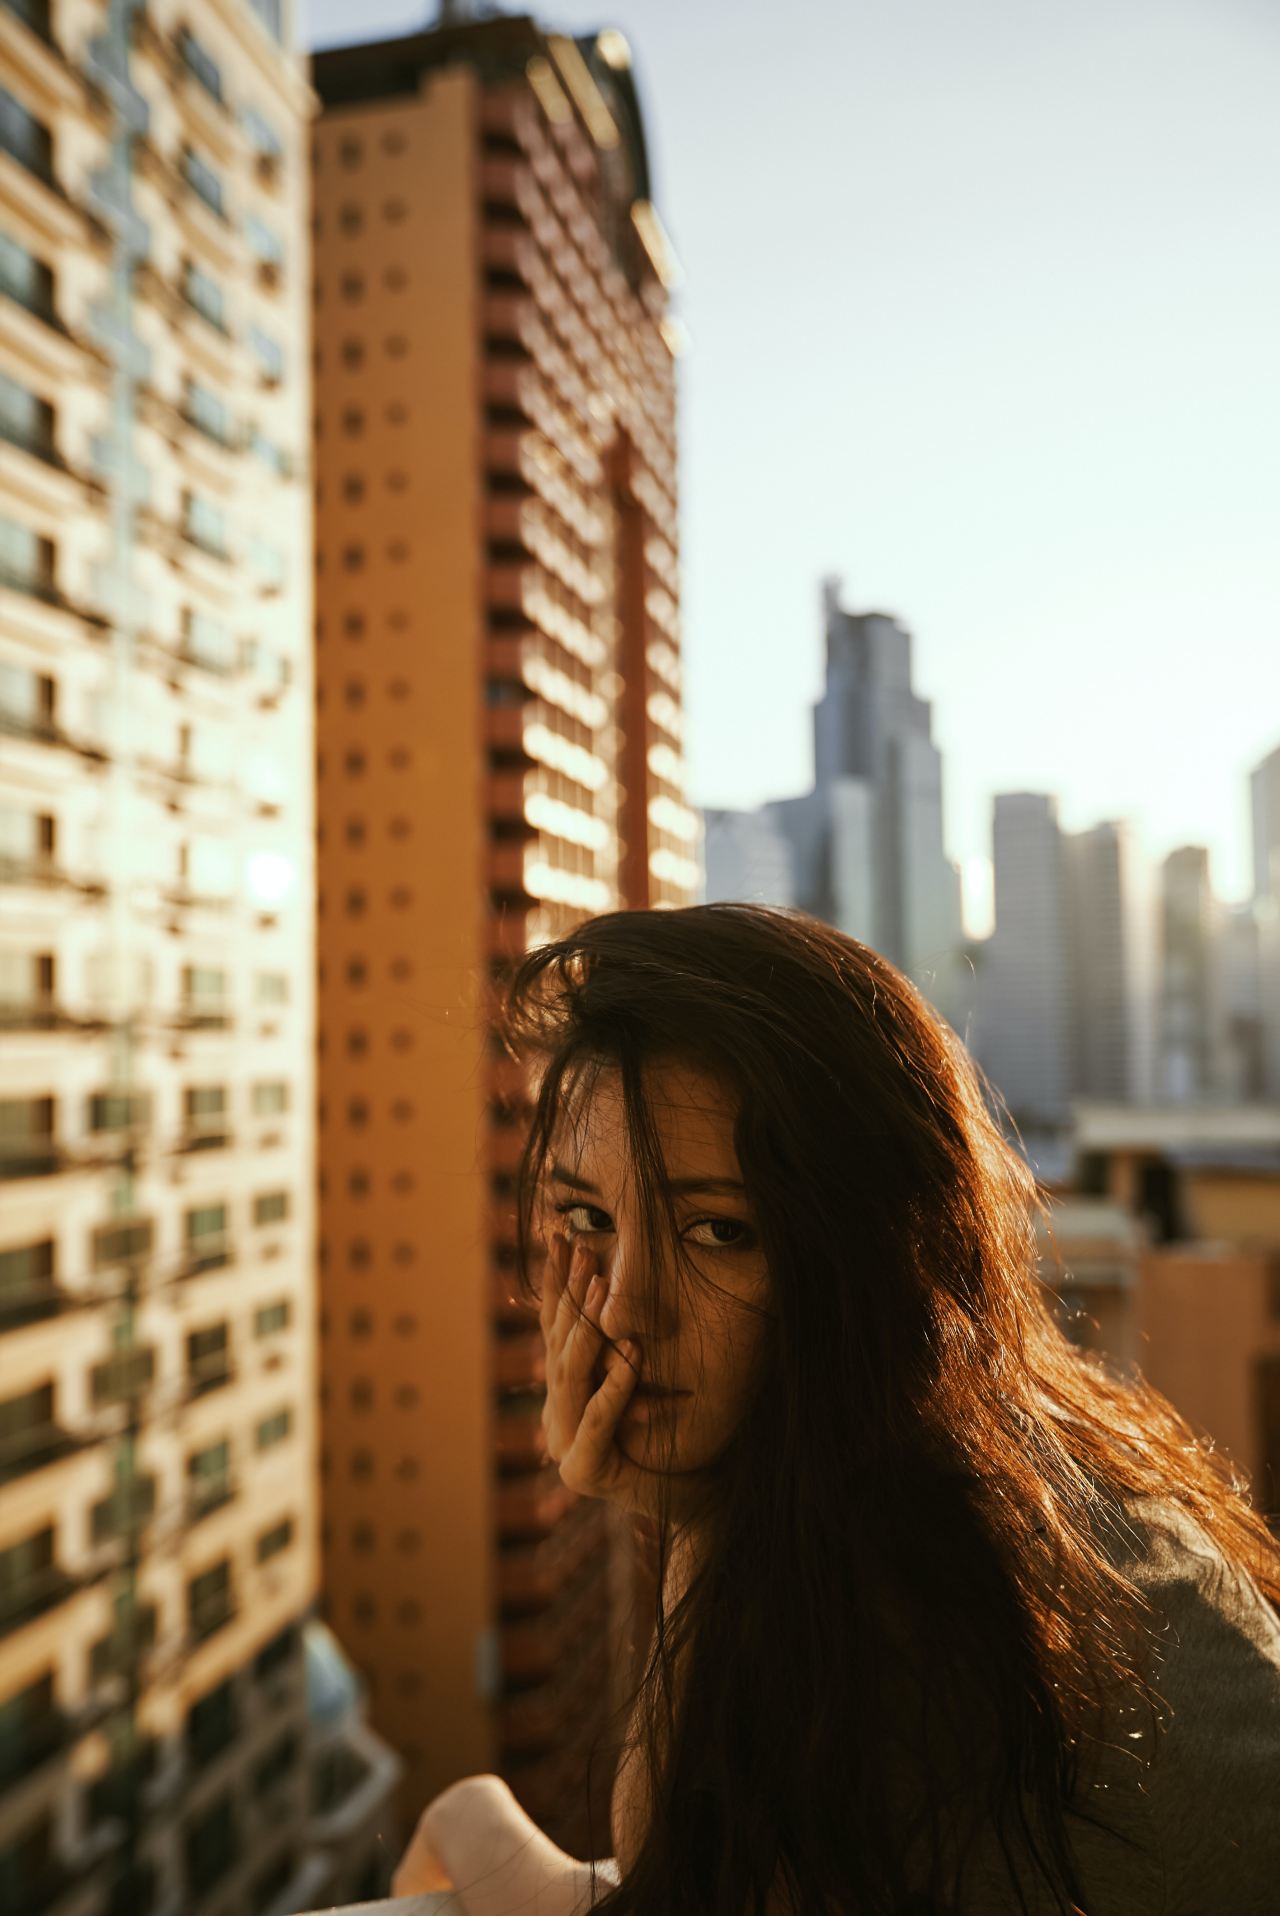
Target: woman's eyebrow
{"x": 676, "y": 1186}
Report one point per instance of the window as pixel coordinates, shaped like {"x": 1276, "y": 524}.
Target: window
{"x": 121, "y": 1242}
{"x": 27, "y": 1439}
{"x": 208, "y": 1479}
{"x": 271, "y": 14}
{"x": 201, "y": 64}
{"x": 278, "y": 1763}
{"x": 25, "y": 138}
{"x": 270, "y": 1319}
{"x": 265, "y": 245}
{"x": 207, "y": 642}
{"x": 26, "y": 420}
{"x": 28, "y": 706}
{"x": 270, "y": 454}
{"x": 209, "y": 1603}
{"x": 204, "y": 993}
{"x": 268, "y": 353}
{"x": 204, "y": 293}
{"x": 27, "y": 1146}
{"x": 270, "y": 1207}
{"x": 28, "y": 1577}
{"x": 206, "y": 1235}
{"x": 133, "y": 1631}
{"x": 210, "y": 1847}
{"x": 203, "y": 181}
{"x": 27, "y": 562}
{"x": 270, "y": 1097}
{"x": 273, "y": 1541}
{"x": 208, "y": 413}
{"x": 205, "y": 525}
{"x": 262, "y": 135}
{"x": 208, "y": 1358}
{"x": 271, "y": 987}
{"x": 274, "y": 1429}
{"x": 118, "y": 1110}
{"x": 26, "y": 279}
{"x": 129, "y": 1505}
{"x": 123, "y": 1376}
{"x": 276, "y": 1655}
{"x": 204, "y": 1110}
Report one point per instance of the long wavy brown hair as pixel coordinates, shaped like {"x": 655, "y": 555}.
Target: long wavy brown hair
{"x": 905, "y": 1624}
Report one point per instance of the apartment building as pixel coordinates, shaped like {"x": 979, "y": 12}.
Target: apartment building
{"x": 157, "y": 1503}
{"x": 499, "y": 753}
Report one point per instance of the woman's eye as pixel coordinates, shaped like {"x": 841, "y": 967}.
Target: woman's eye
{"x": 573, "y": 1214}
{"x": 739, "y": 1235}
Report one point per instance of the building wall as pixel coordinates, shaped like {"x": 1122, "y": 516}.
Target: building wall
{"x": 1207, "y": 1322}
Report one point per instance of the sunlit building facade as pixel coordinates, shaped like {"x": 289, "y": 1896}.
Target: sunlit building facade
{"x": 157, "y": 1497}
{"x": 500, "y": 752}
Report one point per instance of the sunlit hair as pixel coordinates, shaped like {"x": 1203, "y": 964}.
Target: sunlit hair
{"x": 905, "y": 1572}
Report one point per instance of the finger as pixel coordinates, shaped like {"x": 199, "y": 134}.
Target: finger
{"x": 569, "y": 1309}
{"x": 554, "y": 1278}
{"x": 591, "y": 1462}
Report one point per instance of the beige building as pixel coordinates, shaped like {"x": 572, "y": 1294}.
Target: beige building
{"x": 1165, "y": 1254}
{"x": 157, "y": 1497}
{"x": 499, "y": 734}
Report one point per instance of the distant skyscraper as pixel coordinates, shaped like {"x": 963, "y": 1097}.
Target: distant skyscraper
{"x": 500, "y": 753}
{"x": 1264, "y": 805}
{"x": 1110, "y": 932}
{"x": 867, "y": 841}
{"x": 1264, "y": 795}
{"x": 1023, "y": 1026}
{"x": 748, "y": 857}
{"x": 1192, "y": 1013}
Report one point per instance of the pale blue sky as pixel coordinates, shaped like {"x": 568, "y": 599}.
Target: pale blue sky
{"x": 984, "y": 298}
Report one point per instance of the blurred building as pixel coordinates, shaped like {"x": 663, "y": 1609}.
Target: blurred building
{"x": 1067, "y": 979}
{"x": 500, "y": 753}
{"x": 747, "y": 856}
{"x": 1165, "y": 1254}
{"x": 1023, "y": 1033}
{"x": 1192, "y": 1006}
{"x": 1111, "y": 943}
{"x": 867, "y": 842}
{"x": 1264, "y": 809}
{"x": 157, "y": 1506}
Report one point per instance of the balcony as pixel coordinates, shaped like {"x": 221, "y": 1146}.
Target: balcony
{"x": 32, "y": 1157}
{"x": 204, "y": 1377}
{"x": 31, "y": 1304}
{"x": 39, "y": 1593}
{"x": 206, "y": 1254}
{"x": 26, "y": 1451}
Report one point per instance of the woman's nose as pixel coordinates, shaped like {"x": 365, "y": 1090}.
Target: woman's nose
{"x": 630, "y": 1301}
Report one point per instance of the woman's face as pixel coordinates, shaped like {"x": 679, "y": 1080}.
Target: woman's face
{"x": 697, "y": 1333}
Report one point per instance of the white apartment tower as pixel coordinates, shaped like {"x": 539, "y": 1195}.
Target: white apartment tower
{"x": 157, "y": 1500}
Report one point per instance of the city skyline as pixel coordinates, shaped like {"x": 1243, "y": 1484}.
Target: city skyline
{"x": 1071, "y": 463}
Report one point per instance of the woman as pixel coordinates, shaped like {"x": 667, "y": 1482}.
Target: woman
{"x": 951, "y": 1617}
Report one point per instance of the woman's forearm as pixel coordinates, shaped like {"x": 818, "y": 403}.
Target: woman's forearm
{"x": 502, "y": 1864}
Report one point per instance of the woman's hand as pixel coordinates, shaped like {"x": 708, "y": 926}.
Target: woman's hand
{"x": 580, "y": 1420}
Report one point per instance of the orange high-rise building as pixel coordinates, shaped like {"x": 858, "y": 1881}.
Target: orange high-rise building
{"x": 499, "y": 755}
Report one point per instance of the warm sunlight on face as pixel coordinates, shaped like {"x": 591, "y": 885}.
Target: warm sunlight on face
{"x": 705, "y": 1338}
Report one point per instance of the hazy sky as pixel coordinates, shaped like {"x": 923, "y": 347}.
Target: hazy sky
{"x": 984, "y": 298}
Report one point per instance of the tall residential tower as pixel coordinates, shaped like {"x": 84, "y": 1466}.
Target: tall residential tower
{"x": 499, "y": 754}
{"x": 157, "y": 1499}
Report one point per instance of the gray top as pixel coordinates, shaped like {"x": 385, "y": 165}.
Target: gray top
{"x": 1206, "y": 1809}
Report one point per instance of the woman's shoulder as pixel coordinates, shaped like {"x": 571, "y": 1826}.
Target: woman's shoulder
{"x": 1205, "y": 1785}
